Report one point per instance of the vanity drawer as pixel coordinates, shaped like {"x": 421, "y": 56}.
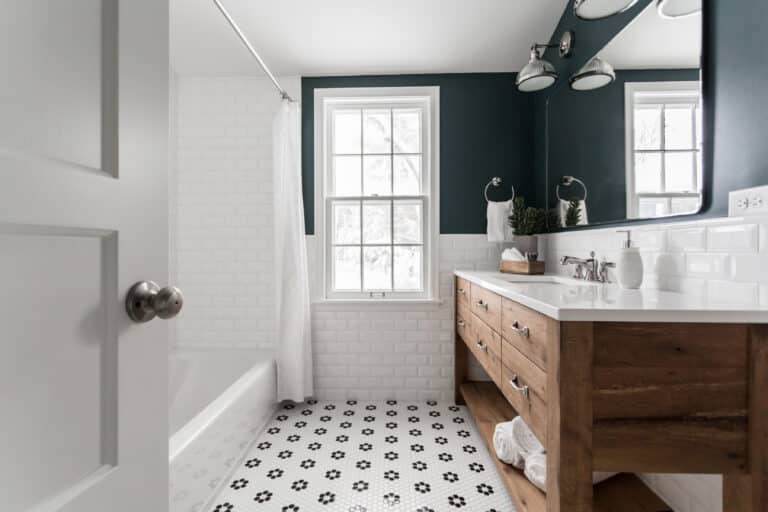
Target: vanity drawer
{"x": 527, "y": 331}
{"x": 485, "y": 344}
{"x": 525, "y": 386}
{"x": 462, "y": 291}
{"x": 464, "y": 323}
{"x": 487, "y": 306}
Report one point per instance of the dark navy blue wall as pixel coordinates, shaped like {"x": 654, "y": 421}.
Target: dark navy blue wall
{"x": 587, "y": 140}
{"x": 484, "y": 132}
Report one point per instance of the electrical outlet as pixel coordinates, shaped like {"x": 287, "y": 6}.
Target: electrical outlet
{"x": 748, "y": 201}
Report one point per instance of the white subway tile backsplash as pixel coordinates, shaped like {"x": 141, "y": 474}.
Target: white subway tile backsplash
{"x": 687, "y": 240}
{"x": 735, "y": 238}
{"x": 712, "y": 266}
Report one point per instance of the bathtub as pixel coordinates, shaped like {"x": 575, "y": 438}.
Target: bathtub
{"x": 219, "y": 399}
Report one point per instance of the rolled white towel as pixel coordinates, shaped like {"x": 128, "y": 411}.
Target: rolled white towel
{"x": 514, "y": 441}
{"x": 507, "y": 449}
{"x": 536, "y": 471}
{"x": 526, "y": 439}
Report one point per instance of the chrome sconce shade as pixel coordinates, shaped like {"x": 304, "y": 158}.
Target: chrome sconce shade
{"x": 599, "y": 9}
{"x": 678, "y": 8}
{"x": 539, "y": 74}
{"x": 595, "y": 74}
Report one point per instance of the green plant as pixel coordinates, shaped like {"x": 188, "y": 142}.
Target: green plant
{"x": 527, "y": 220}
{"x": 573, "y": 213}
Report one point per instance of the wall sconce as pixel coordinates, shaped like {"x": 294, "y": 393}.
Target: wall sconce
{"x": 539, "y": 74}
{"x": 595, "y": 74}
{"x": 599, "y": 9}
{"x": 678, "y": 8}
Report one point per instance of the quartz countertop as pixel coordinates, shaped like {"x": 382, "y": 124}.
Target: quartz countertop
{"x": 573, "y": 300}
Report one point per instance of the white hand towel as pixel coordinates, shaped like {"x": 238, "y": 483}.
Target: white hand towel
{"x": 564, "y": 205}
{"x": 536, "y": 471}
{"x": 498, "y": 215}
{"x": 513, "y": 442}
{"x": 512, "y": 254}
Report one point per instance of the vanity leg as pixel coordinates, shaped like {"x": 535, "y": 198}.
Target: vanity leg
{"x": 758, "y": 417}
{"x": 569, "y": 421}
{"x": 737, "y": 493}
{"x": 460, "y": 365}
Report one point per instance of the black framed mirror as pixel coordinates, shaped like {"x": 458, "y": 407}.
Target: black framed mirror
{"x": 627, "y": 136}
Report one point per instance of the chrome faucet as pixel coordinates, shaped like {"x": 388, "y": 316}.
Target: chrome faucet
{"x": 589, "y": 269}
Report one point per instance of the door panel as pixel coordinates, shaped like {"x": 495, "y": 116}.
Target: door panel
{"x": 83, "y": 216}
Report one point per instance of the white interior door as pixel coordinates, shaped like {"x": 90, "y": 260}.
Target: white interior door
{"x": 83, "y": 215}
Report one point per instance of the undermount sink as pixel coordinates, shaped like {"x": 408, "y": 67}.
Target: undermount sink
{"x": 545, "y": 280}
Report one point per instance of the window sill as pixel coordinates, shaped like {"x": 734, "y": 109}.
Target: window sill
{"x": 345, "y": 304}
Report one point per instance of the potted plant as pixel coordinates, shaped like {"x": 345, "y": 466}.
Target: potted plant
{"x": 527, "y": 222}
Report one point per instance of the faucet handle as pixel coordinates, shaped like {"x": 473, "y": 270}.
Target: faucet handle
{"x": 604, "y": 266}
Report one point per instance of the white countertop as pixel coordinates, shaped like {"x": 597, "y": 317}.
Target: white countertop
{"x": 579, "y": 301}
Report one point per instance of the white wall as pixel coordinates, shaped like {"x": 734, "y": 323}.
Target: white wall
{"x": 722, "y": 258}
{"x": 222, "y": 210}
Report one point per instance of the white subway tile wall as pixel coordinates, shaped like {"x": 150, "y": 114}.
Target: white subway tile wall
{"x": 221, "y": 210}
{"x": 719, "y": 258}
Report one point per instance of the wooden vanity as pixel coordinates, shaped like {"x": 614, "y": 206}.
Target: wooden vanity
{"x": 632, "y": 397}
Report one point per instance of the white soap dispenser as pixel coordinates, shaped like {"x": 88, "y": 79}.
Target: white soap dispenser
{"x": 630, "y": 265}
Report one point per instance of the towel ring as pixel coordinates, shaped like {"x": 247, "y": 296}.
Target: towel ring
{"x": 496, "y": 182}
{"x": 567, "y": 181}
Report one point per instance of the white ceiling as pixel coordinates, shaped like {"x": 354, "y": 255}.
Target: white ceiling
{"x": 335, "y": 37}
{"x": 651, "y": 41}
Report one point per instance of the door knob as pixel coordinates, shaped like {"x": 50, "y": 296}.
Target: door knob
{"x": 146, "y": 300}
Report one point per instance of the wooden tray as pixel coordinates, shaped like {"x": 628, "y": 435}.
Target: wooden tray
{"x": 522, "y": 267}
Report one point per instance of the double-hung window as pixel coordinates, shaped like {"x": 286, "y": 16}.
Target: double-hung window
{"x": 664, "y": 142}
{"x": 376, "y": 173}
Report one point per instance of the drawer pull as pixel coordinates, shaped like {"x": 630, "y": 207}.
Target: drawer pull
{"x": 523, "y": 390}
{"x": 482, "y": 346}
{"x": 523, "y": 331}
{"x": 461, "y": 323}
{"x": 482, "y": 304}
{"x": 462, "y": 291}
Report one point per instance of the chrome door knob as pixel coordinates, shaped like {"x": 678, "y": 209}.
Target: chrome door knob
{"x": 146, "y": 300}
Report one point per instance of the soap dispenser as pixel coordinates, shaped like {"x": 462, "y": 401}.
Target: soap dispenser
{"x": 630, "y": 265}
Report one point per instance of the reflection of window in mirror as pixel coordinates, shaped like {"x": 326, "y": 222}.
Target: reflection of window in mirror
{"x": 664, "y": 158}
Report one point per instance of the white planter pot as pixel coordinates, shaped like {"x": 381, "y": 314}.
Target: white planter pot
{"x": 526, "y": 244}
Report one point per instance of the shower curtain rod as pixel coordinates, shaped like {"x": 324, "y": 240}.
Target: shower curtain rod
{"x": 283, "y": 93}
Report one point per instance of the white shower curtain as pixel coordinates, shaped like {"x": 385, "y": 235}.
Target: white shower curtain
{"x": 292, "y": 303}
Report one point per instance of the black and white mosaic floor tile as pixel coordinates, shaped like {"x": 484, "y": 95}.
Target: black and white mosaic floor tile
{"x": 367, "y": 457}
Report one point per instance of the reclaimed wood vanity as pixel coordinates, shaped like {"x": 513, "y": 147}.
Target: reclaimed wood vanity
{"x": 618, "y": 381}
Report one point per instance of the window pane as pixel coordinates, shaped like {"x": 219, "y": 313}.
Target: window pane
{"x": 346, "y": 268}
{"x": 377, "y": 131}
{"x": 346, "y": 222}
{"x": 648, "y": 172}
{"x": 377, "y": 177}
{"x": 652, "y": 207}
{"x": 408, "y": 222}
{"x": 346, "y": 132}
{"x": 407, "y": 124}
{"x": 408, "y": 268}
{"x": 681, "y": 205}
{"x": 648, "y": 127}
{"x": 377, "y": 268}
{"x": 678, "y": 127}
{"x": 407, "y": 175}
{"x": 679, "y": 172}
{"x": 346, "y": 175}
{"x": 377, "y": 222}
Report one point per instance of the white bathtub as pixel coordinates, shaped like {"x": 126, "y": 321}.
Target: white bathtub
{"x": 219, "y": 400}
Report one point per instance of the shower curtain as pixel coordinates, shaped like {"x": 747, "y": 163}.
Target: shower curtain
{"x": 292, "y": 303}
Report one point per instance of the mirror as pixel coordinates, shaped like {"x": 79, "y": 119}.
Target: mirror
{"x": 633, "y": 148}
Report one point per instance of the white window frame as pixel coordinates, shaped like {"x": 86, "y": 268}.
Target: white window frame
{"x": 326, "y": 100}
{"x": 685, "y": 88}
